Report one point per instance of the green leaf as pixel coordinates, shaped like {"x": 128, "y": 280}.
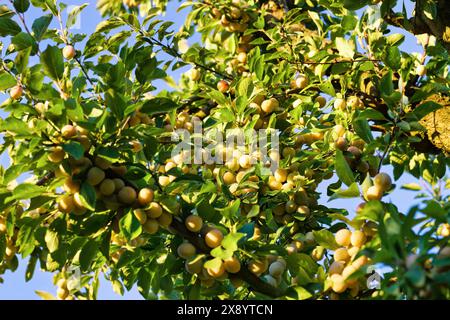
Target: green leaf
{"x": 158, "y": 105}
{"x": 52, "y": 60}
{"x": 232, "y": 210}
{"x": 328, "y": 88}
{"x": 7, "y": 81}
{"x": 230, "y": 241}
{"x": 31, "y": 267}
{"x": 362, "y": 128}
{"x": 346, "y": 47}
{"x": 371, "y": 114}
{"x": 412, "y": 186}
{"x": 395, "y": 39}
{"x": 116, "y": 102}
{"x": 372, "y": 210}
{"x": 425, "y": 108}
{"x": 2, "y": 246}
{"x": 393, "y": 58}
{"x": 25, "y": 191}
{"x": 40, "y": 26}
{"x": 108, "y": 153}
{"x": 304, "y": 261}
{"x": 302, "y": 293}
{"x": 74, "y": 13}
{"x": 87, "y": 254}
{"x": 21, "y": 5}
{"x": 45, "y": 295}
{"x": 130, "y": 226}
{"x": 51, "y": 240}
{"x": 22, "y": 41}
{"x": 349, "y": 22}
{"x": 351, "y": 192}
{"x": 343, "y": 169}
{"x": 88, "y": 196}
{"x": 326, "y": 239}
{"x": 386, "y": 84}
{"x": 75, "y": 149}
{"x": 435, "y": 210}
{"x": 355, "y": 5}
{"x": 213, "y": 263}
{"x": 8, "y": 27}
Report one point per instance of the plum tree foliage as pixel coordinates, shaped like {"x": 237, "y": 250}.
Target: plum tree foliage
{"x": 92, "y": 184}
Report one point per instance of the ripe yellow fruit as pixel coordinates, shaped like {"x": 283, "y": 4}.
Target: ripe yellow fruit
{"x": 347, "y": 272}
{"x": 259, "y": 266}
{"x": 71, "y": 186}
{"x": 245, "y": 161}
{"x": 2, "y": 225}
{"x": 66, "y": 204}
{"x": 336, "y": 267}
{"x": 56, "y": 155}
{"x": 127, "y": 195}
{"x": 274, "y": 184}
{"x": 342, "y": 237}
{"x": 303, "y": 210}
{"x": 69, "y": 52}
{"x": 217, "y": 272}
{"x": 301, "y": 82}
{"x": 151, "y": 226}
{"x": 41, "y": 107}
{"x": 154, "y": 210}
{"x": 341, "y": 143}
{"x": 95, "y": 176}
{"x": 232, "y": 265}
{"x": 164, "y": 180}
{"x": 229, "y": 178}
{"x": 358, "y": 238}
{"x": 62, "y": 293}
{"x": 165, "y": 220}
{"x": 290, "y": 206}
{"x": 140, "y": 215}
{"x": 338, "y": 283}
{"x": 352, "y": 252}
{"x": 317, "y": 253}
{"x": 194, "y": 74}
{"x": 145, "y": 196}
{"x": 341, "y": 254}
{"x": 270, "y": 105}
{"x": 421, "y": 70}
{"x": 107, "y": 187}
{"x": 276, "y": 269}
{"x": 383, "y": 181}
{"x": 119, "y": 170}
{"x": 213, "y": 238}
{"x": 374, "y": 193}
{"x": 359, "y": 262}
{"x": 68, "y": 131}
{"x": 242, "y": 57}
{"x": 16, "y": 92}
{"x": 186, "y": 250}
{"x": 281, "y": 175}
{"x": 340, "y": 104}
{"x": 194, "y": 223}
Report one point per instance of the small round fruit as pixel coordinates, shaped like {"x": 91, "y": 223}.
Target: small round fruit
{"x": 151, "y": 226}
{"x": 341, "y": 143}
{"x": 194, "y": 223}
{"x": 145, "y": 196}
{"x": 229, "y": 178}
{"x": 95, "y": 176}
{"x": 421, "y": 70}
{"x": 258, "y": 267}
{"x": 194, "y": 74}
{"x": 336, "y": 267}
{"x": 281, "y": 175}
{"x": 68, "y": 131}
{"x": 383, "y": 181}
{"x": 321, "y": 101}
{"x": 218, "y": 271}
{"x": 62, "y": 293}
{"x": 276, "y": 269}
{"x": 245, "y": 161}
{"x": 66, "y": 204}
{"x": 165, "y": 220}
{"x": 69, "y": 52}
{"x": 338, "y": 283}
{"x": 358, "y": 238}
{"x": 186, "y": 250}
{"x": 301, "y": 82}
{"x": 213, "y": 238}
{"x": 16, "y": 92}
{"x": 374, "y": 193}
{"x": 154, "y": 210}
{"x": 232, "y": 265}
{"x": 140, "y": 215}
{"x": 340, "y": 104}
{"x": 270, "y": 105}
{"x": 56, "y": 155}
{"x": 71, "y": 186}
{"x": 223, "y": 86}
{"x": 118, "y": 183}
{"x": 342, "y": 237}
{"x": 107, "y": 187}
{"x": 341, "y": 254}
{"x": 271, "y": 280}
{"x": 127, "y": 195}
{"x": 242, "y": 57}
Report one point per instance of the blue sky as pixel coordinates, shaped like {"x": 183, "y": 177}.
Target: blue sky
{"x": 15, "y": 286}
